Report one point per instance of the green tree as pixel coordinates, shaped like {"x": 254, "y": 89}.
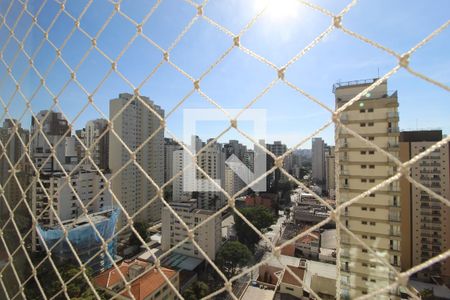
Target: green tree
{"x": 260, "y": 217}
{"x": 233, "y": 256}
{"x": 77, "y": 288}
{"x": 195, "y": 291}
{"x": 141, "y": 229}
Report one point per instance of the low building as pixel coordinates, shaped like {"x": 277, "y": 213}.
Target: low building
{"x": 83, "y": 239}
{"x": 146, "y": 281}
{"x": 267, "y": 200}
{"x": 317, "y": 276}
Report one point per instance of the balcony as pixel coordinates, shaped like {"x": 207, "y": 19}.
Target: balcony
{"x": 393, "y": 146}
{"x": 394, "y": 217}
{"x": 393, "y": 130}
{"x": 392, "y": 115}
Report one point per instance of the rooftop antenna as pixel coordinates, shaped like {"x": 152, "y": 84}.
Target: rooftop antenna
{"x": 378, "y": 72}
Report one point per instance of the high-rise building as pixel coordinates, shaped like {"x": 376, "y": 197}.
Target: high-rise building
{"x": 12, "y": 153}
{"x": 134, "y": 125}
{"x": 96, "y": 139}
{"x": 318, "y": 160}
{"x": 278, "y": 149}
{"x": 212, "y": 161}
{"x": 170, "y": 146}
{"x": 375, "y": 219}
{"x": 208, "y": 236}
{"x": 425, "y": 220}
{"x": 330, "y": 182}
{"x": 48, "y": 132}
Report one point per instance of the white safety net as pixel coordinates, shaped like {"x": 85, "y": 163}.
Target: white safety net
{"x": 20, "y": 268}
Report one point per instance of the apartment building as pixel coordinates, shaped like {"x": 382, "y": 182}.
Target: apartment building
{"x": 96, "y": 139}
{"x": 318, "y": 160}
{"x": 330, "y": 181}
{"x": 12, "y": 153}
{"x": 425, "y": 220}
{"x": 375, "y": 219}
{"x": 48, "y": 132}
{"x": 52, "y": 198}
{"x": 134, "y": 125}
{"x": 170, "y": 146}
{"x": 208, "y": 236}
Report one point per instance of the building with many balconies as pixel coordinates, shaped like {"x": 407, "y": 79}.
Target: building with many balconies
{"x": 375, "y": 219}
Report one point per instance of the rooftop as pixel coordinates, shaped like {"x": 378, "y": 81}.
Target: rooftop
{"x": 142, "y": 286}
{"x": 353, "y": 83}
{"x": 254, "y": 292}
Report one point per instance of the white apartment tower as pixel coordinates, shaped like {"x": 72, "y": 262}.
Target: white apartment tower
{"x": 134, "y": 125}
{"x": 208, "y": 236}
{"x": 375, "y": 219}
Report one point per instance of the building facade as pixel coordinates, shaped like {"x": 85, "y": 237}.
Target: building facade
{"x": 375, "y": 219}
{"x": 318, "y": 160}
{"x": 425, "y": 220}
{"x": 330, "y": 180}
{"x": 134, "y": 125}
{"x": 208, "y": 236}
{"x": 96, "y": 139}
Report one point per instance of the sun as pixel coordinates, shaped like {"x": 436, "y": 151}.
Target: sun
{"x": 278, "y": 10}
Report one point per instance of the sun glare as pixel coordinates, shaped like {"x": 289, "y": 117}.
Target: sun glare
{"x": 278, "y": 10}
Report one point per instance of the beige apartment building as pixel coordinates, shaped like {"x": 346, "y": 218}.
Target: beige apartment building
{"x": 425, "y": 220}
{"x": 208, "y": 236}
{"x": 135, "y": 123}
{"x": 375, "y": 219}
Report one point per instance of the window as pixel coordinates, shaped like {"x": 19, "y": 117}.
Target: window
{"x": 371, "y": 138}
{"x": 372, "y": 238}
{"x": 364, "y": 250}
{"x": 363, "y": 152}
{"x": 362, "y": 124}
{"x": 370, "y": 110}
{"x": 372, "y": 195}
{"x": 370, "y": 124}
{"x": 371, "y": 166}
{"x": 372, "y": 180}
{"x": 364, "y": 222}
{"x": 363, "y": 166}
{"x": 371, "y": 152}
{"x": 372, "y": 223}
{"x": 363, "y": 208}
{"x": 372, "y": 209}
{"x": 363, "y": 180}
{"x": 364, "y": 237}
{"x": 362, "y": 110}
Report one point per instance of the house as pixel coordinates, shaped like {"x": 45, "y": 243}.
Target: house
{"x": 146, "y": 281}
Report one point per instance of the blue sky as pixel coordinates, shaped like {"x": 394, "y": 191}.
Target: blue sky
{"x": 278, "y": 35}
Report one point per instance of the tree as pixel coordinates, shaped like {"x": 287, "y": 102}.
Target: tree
{"x": 260, "y": 217}
{"x": 195, "y": 291}
{"x": 77, "y": 288}
{"x": 141, "y": 229}
{"x": 233, "y": 256}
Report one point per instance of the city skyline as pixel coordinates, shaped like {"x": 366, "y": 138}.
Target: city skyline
{"x": 232, "y": 82}
{"x": 348, "y": 199}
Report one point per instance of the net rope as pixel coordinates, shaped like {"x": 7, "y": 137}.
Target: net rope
{"x": 279, "y": 76}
